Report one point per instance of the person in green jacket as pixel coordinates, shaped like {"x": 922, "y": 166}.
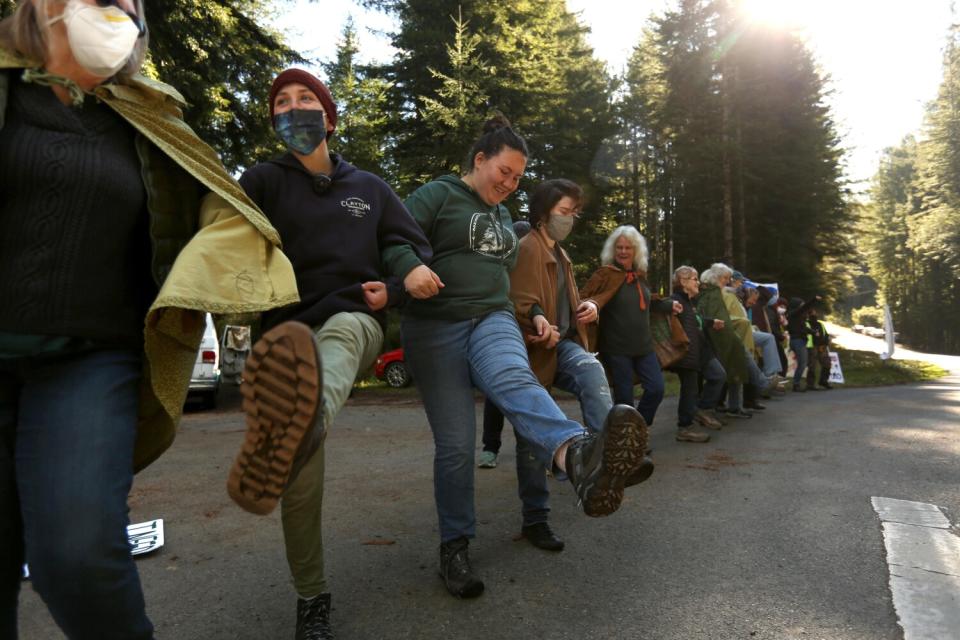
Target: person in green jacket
{"x": 466, "y": 336}
{"x": 723, "y": 339}
{"x": 118, "y": 229}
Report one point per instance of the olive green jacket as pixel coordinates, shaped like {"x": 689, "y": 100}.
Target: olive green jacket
{"x": 726, "y": 345}
{"x": 213, "y": 250}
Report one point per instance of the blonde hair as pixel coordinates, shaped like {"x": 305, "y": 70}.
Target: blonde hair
{"x": 640, "y": 253}
{"x": 27, "y": 31}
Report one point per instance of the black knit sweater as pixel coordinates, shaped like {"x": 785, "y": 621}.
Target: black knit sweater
{"x": 74, "y": 244}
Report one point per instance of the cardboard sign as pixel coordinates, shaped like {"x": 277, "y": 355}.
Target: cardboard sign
{"x": 144, "y": 538}
{"x": 836, "y": 373}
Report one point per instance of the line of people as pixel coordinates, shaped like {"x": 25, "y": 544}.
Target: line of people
{"x": 120, "y": 228}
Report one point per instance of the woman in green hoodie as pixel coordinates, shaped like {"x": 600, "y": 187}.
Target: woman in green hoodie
{"x": 467, "y": 336}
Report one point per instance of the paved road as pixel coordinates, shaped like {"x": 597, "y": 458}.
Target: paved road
{"x": 766, "y": 532}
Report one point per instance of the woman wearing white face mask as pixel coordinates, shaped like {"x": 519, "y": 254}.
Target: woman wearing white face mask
{"x": 118, "y": 228}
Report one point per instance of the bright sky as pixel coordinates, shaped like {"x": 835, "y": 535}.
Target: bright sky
{"x": 883, "y": 56}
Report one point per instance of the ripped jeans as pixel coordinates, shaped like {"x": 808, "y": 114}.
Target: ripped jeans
{"x": 581, "y": 374}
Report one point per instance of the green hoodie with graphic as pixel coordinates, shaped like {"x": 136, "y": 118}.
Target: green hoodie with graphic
{"x": 474, "y": 249}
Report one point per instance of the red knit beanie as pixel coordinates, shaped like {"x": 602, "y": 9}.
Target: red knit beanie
{"x": 310, "y": 81}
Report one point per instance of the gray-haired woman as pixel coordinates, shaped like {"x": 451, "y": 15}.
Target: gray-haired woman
{"x": 619, "y": 289}
{"x": 699, "y": 360}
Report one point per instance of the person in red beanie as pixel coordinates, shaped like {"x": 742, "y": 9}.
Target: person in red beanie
{"x": 334, "y": 221}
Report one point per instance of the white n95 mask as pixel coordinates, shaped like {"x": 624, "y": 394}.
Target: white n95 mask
{"x": 101, "y": 37}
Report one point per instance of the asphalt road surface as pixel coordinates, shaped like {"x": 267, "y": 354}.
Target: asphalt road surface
{"x": 765, "y": 532}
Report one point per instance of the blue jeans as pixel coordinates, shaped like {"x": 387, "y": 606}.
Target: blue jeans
{"x": 647, "y": 370}
{"x": 714, "y": 377}
{"x": 532, "y": 484}
{"x": 768, "y": 348}
{"x": 581, "y": 374}
{"x": 448, "y": 359}
{"x": 799, "y": 348}
{"x": 67, "y": 429}
{"x": 755, "y": 375}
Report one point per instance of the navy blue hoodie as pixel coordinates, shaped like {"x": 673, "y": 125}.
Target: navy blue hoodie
{"x": 334, "y": 239}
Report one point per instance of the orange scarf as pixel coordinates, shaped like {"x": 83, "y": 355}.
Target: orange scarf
{"x": 634, "y": 277}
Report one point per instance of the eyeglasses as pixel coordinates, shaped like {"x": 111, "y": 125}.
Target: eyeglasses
{"x": 137, "y": 22}
{"x": 694, "y": 278}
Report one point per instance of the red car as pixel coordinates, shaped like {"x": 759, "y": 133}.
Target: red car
{"x": 392, "y": 370}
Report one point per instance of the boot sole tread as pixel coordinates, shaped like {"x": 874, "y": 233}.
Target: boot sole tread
{"x": 625, "y": 442}
{"x": 281, "y": 392}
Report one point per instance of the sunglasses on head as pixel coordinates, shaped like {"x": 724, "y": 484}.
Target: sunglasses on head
{"x": 137, "y": 22}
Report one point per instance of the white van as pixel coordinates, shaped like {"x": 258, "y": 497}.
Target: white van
{"x": 205, "y": 381}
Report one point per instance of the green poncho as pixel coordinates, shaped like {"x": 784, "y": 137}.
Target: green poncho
{"x": 726, "y": 344}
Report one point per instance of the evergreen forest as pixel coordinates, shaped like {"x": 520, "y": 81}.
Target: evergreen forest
{"x": 715, "y": 139}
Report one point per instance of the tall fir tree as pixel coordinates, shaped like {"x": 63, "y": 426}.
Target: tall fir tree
{"x": 911, "y": 225}
{"x": 217, "y": 54}
{"x": 452, "y": 117}
{"x": 530, "y": 61}
{"x": 362, "y": 124}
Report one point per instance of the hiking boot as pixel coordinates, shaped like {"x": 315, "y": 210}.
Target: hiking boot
{"x": 456, "y": 571}
{"x": 313, "y": 618}
{"x": 708, "y": 421}
{"x": 641, "y": 474}
{"x": 599, "y": 464}
{"x": 542, "y": 536}
{"x": 282, "y": 396}
{"x": 691, "y": 434}
{"x": 488, "y": 460}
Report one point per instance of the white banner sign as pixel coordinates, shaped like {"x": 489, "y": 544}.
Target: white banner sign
{"x": 836, "y": 373}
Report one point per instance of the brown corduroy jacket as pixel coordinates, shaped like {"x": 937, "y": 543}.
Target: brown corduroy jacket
{"x": 533, "y": 291}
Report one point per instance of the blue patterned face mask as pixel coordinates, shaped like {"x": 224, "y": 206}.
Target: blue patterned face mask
{"x": 302, "y": 130}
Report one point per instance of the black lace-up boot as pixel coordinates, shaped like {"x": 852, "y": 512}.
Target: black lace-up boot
{"x": 456, "y": 571}
{"x": 313, "y": 618}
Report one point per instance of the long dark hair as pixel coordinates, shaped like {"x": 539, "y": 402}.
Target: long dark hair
{"x": 548, "y": 193}
{"x": 497, "y": 134}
